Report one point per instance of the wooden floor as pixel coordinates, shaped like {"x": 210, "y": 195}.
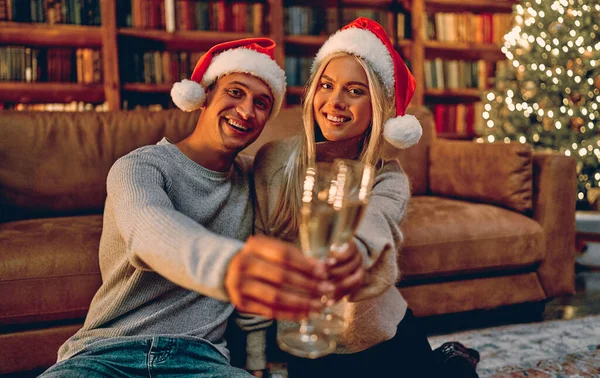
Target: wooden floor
{"x": 586, "y": 301}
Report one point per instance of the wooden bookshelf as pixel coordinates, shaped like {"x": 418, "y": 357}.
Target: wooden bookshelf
{"x": 183, "y": 40}
{"x": 51, "y": 92}
{"x": 417, "y": 8}
{"x": 147, "y": 88}
{"x": 490, "y": 6}
{"x": 464, "y": 50}
{"x": 303, "y": 44}
{"x": 110, "y": 54}
{"x": 305, "y": 40}
{"x": 379, "y": 4}
{"x": 382, "y": 4}
{"x": 35, "y": 34}
{"x": 424, "y": 49}
{"x": 115, "y": 40}
{"x": 453, "y": 95}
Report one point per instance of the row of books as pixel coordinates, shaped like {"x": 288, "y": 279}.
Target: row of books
{"x": 78, "y": 12}
{"x": 172, "y": 15}
{"x": 297, "y": 69}
{"x": 454, "y": 74}
{"x": 140, "y": 104}
{"x": 304, "y": 20}
{"x": 301, "y": 20}
{"x": 461, "y": 119}
{"x": 158, "y": 67}
{"x": 54, "y": 64}
{"x": 74, "y": 106}
{"x": 466, "y": 27}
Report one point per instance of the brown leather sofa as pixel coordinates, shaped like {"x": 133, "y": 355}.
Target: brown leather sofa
{"x": 489, "y": 225}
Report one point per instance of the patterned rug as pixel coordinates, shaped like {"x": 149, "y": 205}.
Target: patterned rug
{"x": 550, "y": 349}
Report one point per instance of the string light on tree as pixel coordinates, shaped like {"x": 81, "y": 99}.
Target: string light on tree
{"x": 547, "y": 92}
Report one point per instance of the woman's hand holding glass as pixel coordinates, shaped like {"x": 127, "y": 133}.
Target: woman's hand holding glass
{"x": 345, "y": 271}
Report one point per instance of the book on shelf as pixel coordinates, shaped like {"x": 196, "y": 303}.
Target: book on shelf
{"x": 148, "y": 14}
{"x": 303, "y": 20}
{"x": 170, "y": 16}
{"x": 306, "y": 20}
{"x": 466, "y": 27}
{"x": 463, "y": 120}
{"x": 158, "y": 67}
{"x": 4, "y": 11}
{"x": 76, "y": 12}
{"x": 386, "y": 18}
{"x": 403, "y": 25}
{"x": 447, "y": 67}
{"x": 297, "y": 69}
{"x": 210, "y": 15}
{"x": 456, "y": 74}
{"x": 52, "y": 64}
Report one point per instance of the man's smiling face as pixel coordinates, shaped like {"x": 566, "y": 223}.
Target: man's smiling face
{"x": 237, "y": 108}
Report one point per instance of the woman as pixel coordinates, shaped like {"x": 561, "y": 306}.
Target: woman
{"x": 356, "y": 97}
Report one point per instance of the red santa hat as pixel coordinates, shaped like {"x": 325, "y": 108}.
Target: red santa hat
{"x": 367, "y": 39}
{"x": 254, "y": 56}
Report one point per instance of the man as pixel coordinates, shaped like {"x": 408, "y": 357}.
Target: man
{"x": 172, "y": 255}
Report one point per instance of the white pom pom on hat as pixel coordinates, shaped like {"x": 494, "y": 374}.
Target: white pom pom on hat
{"x": 402, "y": 131}
{"x": 254, "y": 56}
{"x": 188, "y": 95}
{"x": 367, "y": 39}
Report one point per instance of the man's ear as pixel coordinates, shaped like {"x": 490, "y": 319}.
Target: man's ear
{"x": 209, "y": 94}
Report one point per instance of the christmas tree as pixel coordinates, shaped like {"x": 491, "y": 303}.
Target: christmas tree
{"x": 547, "y": 93}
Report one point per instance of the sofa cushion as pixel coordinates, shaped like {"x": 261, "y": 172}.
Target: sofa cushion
{"x": 31, "y": 349}
{"x": 49, "y": 268}
{"x": 450, "y": 237}
{"x": 56, "y": 163}
{"x": 499, "y": 173}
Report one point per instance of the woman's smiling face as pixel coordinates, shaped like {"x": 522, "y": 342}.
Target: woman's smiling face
{"x": 342, "y": 103}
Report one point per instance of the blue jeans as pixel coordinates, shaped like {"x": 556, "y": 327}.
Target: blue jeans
{"x": 147, "y": 357}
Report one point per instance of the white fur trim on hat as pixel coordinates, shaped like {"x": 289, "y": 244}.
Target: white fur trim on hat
{"x": 251, "y": 62}
{"x": 188, "y": 95}
{"x": 402, "y": 131}
{"x": 366, "y": 45}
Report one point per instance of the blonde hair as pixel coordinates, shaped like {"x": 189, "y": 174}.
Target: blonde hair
{"x": 283, "y": 222}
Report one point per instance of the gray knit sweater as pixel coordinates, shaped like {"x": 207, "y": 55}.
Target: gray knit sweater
{"x": 373, "y": 312}
{"x": 170, "y": 229}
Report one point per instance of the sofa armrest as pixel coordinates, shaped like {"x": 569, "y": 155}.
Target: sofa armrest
{"x": 493, "y": 173}
{"x": 554, "y": 191}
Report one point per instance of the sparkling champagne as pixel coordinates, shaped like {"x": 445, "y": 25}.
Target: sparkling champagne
{"x": 348, "y": 220}
{"x": 322, "y": 226}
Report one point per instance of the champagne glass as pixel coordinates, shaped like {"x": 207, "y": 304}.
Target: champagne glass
{"x": 354, "y": 182}
{"x": 328, "y": 218}
{"x": 315, "y": 227}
